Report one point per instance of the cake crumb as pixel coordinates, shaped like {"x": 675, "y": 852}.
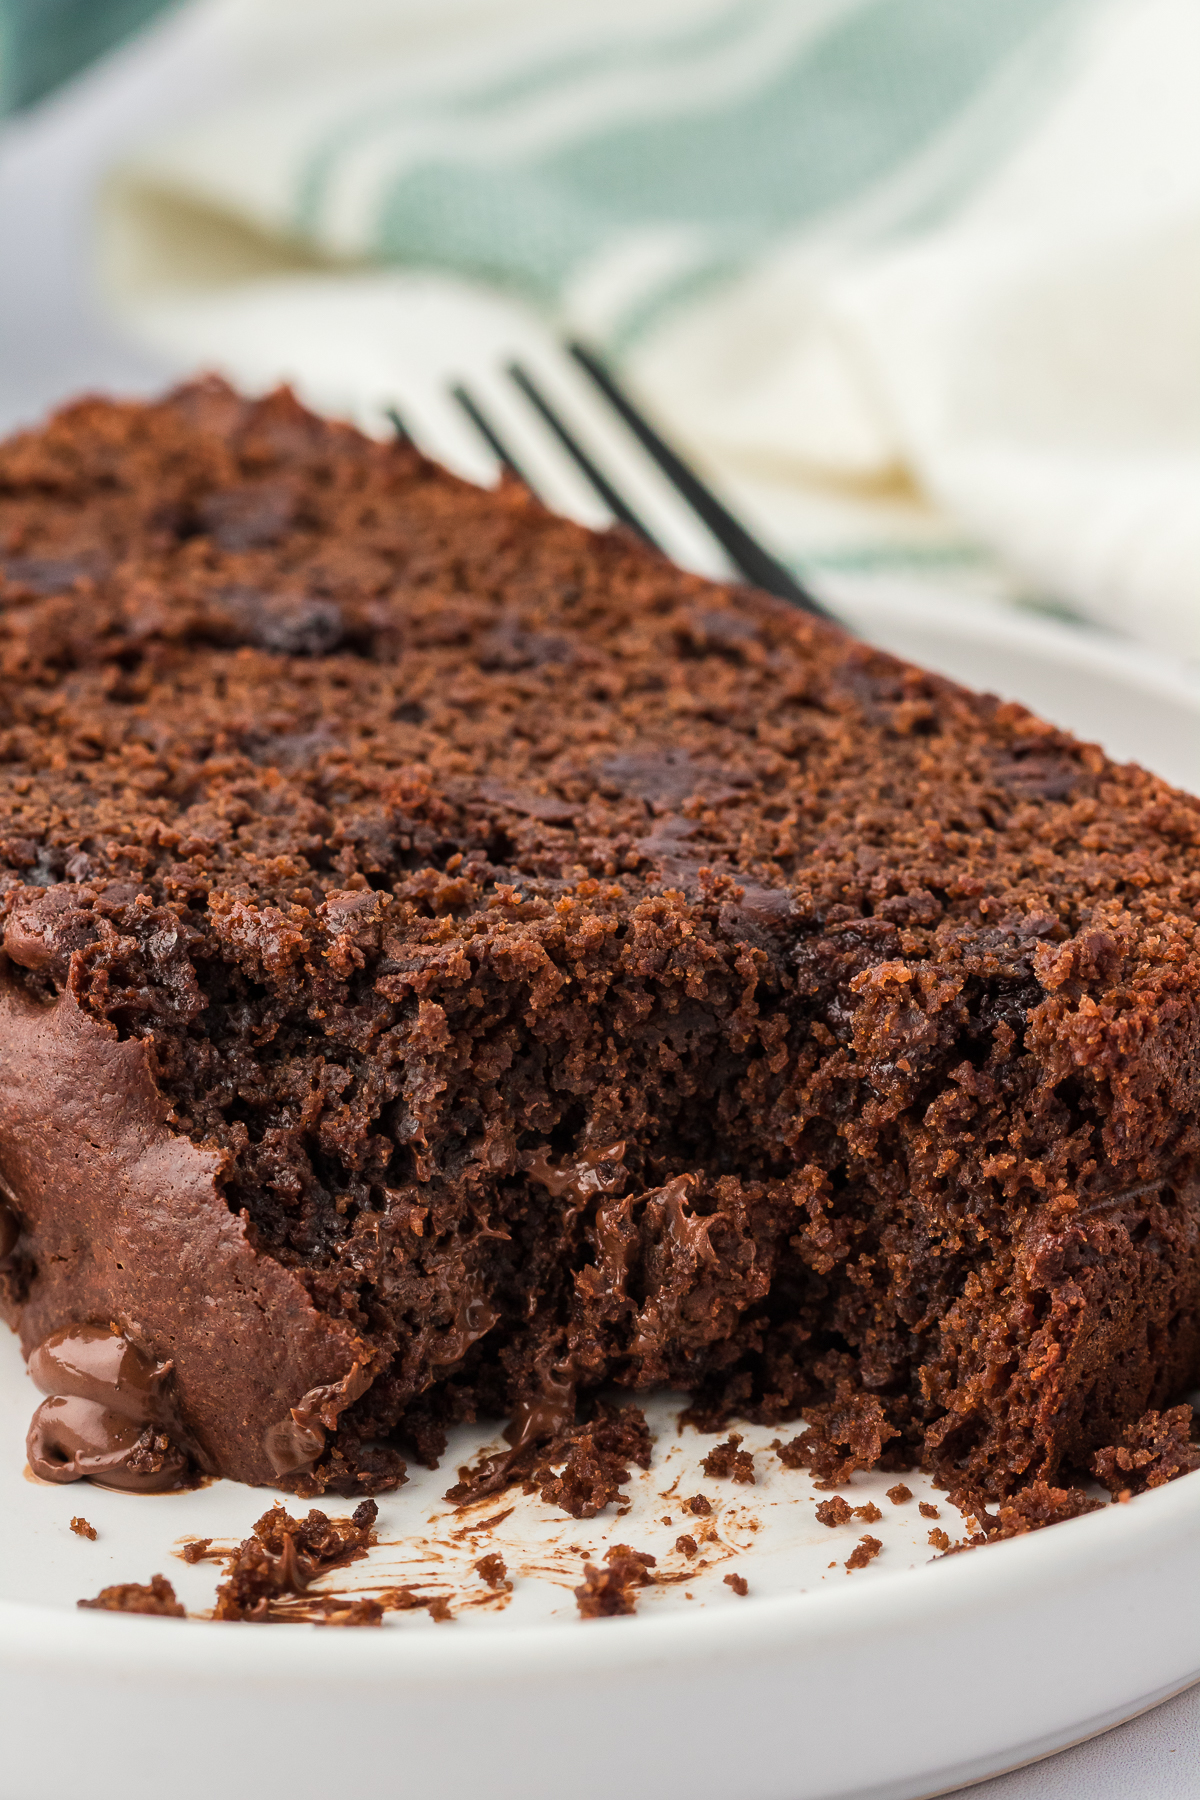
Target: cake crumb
{"x": 1032, "y": 1508}
{"x": 834, "y": 1512}
{"x": 340, "y": 1612}
{"x": 84, "y": 1528}
{"x": 848, "y": 1434}
{"x": 729, "y": 1462}
{"x": 687, "y": 1545}
{"x": 939, "y": 1539}
{"x": 492, "y": 1569}
{"x": 927, "y": 1511}
{"x": 868, "y": 1513}
{"x": 281, "y": 1558}
{"x": 899, "y": 1494}
{"x": 581, "y": 1469}
{"x": 1157, "y": 1449}
{"x": 607, "y": 1593}
{"x": 699, "y": 1505}
{"x": 196, "y": 1551}
{"x": 865, "y": 1551}
{"x": 738, "y": 1583}
{"x": 154, "y": 1599}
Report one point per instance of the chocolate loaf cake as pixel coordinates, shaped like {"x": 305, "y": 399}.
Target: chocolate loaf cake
{"x": 455, "y": 962}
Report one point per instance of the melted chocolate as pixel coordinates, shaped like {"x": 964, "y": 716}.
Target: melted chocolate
{"x": 542, "y": 1415}
{"x": 294, "y": 1444}
{"x": 473, "y": 1319}
{"x": 105, "y": 1418}
{"x": 72, "y": 1439}
{"x": 93, "y": 1362}
{"x": 593, "y": 1172}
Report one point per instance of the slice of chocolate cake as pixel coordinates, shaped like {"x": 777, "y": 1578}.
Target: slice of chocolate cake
{"x": 454, "y": 962}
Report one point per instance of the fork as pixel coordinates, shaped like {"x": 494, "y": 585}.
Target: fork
{"x": 572, "y": 440}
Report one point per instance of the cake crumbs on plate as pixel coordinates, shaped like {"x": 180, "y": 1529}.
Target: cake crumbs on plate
{"x": 899, "y": 1494}
{"x": 865, "y": 1551}
{"x": 848, "y": 1433}
{"x": 493, "y": 1571}
{"x": 738, "y": 1583}
{"x": 198, "y": 1550}
{"x": 1031, "y": 1508}
{"x": 1157, "y": 1449}
{"x": 154, "y": 1599}
{"x": 687, "y": 1545}
{"x": 612, "y": 1591}
{"x": 928, "y": 1511}
{"x": 581, "y": 1468}
{"x": 84, "y": 1528}
{"x": 730, "y": 1462}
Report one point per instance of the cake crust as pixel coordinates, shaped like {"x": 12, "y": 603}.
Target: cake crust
{"x": 454, "y": 962}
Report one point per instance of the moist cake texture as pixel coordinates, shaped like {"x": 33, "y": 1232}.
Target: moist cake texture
{"x": 455, "y": 962}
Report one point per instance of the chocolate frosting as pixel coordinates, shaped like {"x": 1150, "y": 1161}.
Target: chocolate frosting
{"x": 125, "y": 1222}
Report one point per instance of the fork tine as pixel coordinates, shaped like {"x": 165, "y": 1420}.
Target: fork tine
{"x": 403, "y": 434}
{"x": 748, "y": 556}
{"x": 619, "y": 508}
{"x": 489, "y": 434}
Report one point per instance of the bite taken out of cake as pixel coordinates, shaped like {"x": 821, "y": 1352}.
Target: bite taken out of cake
{"x": 456, "y": 963}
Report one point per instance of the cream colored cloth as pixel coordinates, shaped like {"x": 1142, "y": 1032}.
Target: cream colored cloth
{"x": 918, "y": 278}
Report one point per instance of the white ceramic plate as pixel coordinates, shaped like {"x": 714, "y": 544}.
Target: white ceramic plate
{"x": 903, "y": 1678}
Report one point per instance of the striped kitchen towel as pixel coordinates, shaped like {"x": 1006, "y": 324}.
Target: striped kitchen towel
{"x": 925, "y": 271}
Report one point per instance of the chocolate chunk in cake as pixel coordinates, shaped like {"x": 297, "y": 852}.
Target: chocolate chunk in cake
{"x": 455, "y": 962}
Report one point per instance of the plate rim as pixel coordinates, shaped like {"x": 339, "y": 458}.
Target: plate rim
{"x": 981, "y": 619}
{"x": 1150, "y": 1523}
